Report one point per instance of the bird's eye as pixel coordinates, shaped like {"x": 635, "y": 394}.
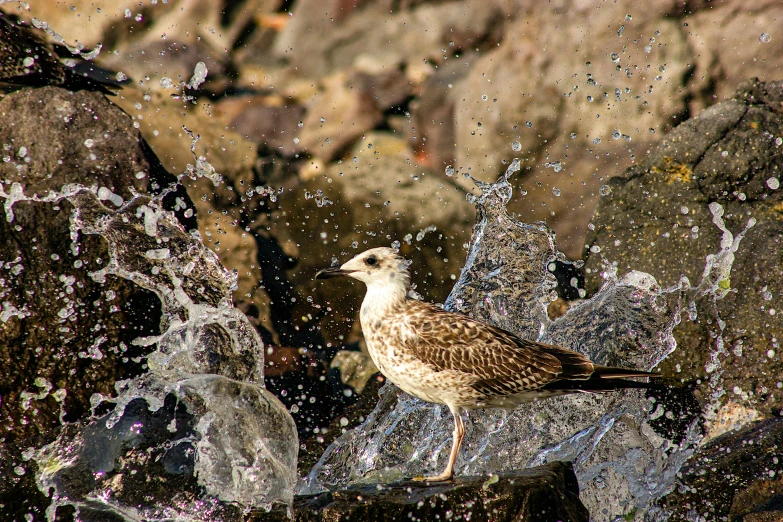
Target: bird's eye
{"x": 371, "y": 260}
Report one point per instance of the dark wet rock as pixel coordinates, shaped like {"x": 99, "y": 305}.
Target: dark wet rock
{"x": 656, "y": 219}
{"x": 69, "y": 319}
{"x": 734, "y": 477}
{"x": 26, "y": 58}
{"x": 546, "y": 493}
{"x": 313, "y": 446}
{"x": 52, "y": 137}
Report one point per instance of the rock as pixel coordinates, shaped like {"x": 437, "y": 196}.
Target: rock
{"x": 656, "y": 218}
{"x": 336, "y": 117}
{"x": 273, "y": 126}
{"x": 405, "y": 34}
{"x": 52, "y": 137}
{"x": 119, "y": 332}
{"x": 161, "y": 120}
{"x": 54, "y": 358}
{"x": 73, "y": 25}
{"x": 356, "y": 368}
{"x": 734, "y": 477}
{"x": 546, "y": 493}
{"x": 432, "y": 118}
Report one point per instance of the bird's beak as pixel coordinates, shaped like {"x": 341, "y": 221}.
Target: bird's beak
{"x": 328, "y": 273}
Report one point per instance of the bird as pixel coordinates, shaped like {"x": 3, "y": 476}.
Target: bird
{"x": 450, "y": 358}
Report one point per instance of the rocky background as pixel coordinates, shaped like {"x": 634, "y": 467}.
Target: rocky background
{"x": 333, "y": 126}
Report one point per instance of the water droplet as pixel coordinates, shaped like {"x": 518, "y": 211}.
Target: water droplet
{"x": 764, "y": 38}
{"x": 616, "y": 134}
{"x": 323, "y": 120}
{"x": 605, "y": 190}
{"x": 89, "y": 143}
{"x": 449, "y": 171}
{"x": 773, "y": 183}
{"x": 555, "y": 165}
{"x": 615, "y": 57}
{"x": 484, "y": 97}
{"x": 556, "y": 191}
{"x": 516, "y": 146}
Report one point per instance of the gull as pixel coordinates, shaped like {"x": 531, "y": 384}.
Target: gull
{"x": 449, "y": 358}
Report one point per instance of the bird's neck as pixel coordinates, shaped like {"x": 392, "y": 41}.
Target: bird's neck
{"x": 380, "y": 300}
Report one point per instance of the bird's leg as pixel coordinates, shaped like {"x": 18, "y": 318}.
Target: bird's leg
{"x": 459, "y": 434}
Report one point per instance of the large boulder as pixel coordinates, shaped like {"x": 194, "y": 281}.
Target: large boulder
{"x": 657, "y": 217}
{"x": 713, "y": 180}
{"x": 118, "y": 331}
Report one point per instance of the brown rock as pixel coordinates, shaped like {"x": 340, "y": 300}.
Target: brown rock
{"x": 336, "y": 117}
{"x": 324, "y": 37}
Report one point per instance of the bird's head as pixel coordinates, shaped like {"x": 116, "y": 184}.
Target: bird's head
{"x": 374, "y": 267}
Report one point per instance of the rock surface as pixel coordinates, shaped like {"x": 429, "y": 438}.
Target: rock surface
{"x": 546, "y": 493}
{"x": 656, "y": 218}
{"x": 98, "y": 269}
{"x": 737, "y": 476}
{"x": 723, "y": 166}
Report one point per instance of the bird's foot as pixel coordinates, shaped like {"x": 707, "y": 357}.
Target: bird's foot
{"x": 443, "y": 477}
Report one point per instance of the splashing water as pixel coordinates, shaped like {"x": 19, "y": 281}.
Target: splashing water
{"x": 197, "y": 436}
{"x": 622, "y": 464}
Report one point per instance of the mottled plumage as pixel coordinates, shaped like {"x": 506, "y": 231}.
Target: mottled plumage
{"x": 452, "y": 359}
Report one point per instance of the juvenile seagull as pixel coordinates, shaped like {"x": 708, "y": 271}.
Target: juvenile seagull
{"x": 451, "y": 359}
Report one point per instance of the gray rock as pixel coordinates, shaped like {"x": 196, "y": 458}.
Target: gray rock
{"x": 97, "y": 270}
{"x": 50, "y": 305}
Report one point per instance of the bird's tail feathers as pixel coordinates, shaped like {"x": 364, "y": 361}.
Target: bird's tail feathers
{"x": 607, "y": 372}
{"x": 605, "y": 379}
{"x": 599, "y": 384}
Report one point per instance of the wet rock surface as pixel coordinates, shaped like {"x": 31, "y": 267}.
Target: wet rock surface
{"x": 546, "y": 493}
{"x": 656, "y": 219}
{"x": 736, "y": 476}
{"x": 53, "y": 359}
{"x": 146, "y": 388}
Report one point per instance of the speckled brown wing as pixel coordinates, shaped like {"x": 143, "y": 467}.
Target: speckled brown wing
{"x": 501, "y": 363}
